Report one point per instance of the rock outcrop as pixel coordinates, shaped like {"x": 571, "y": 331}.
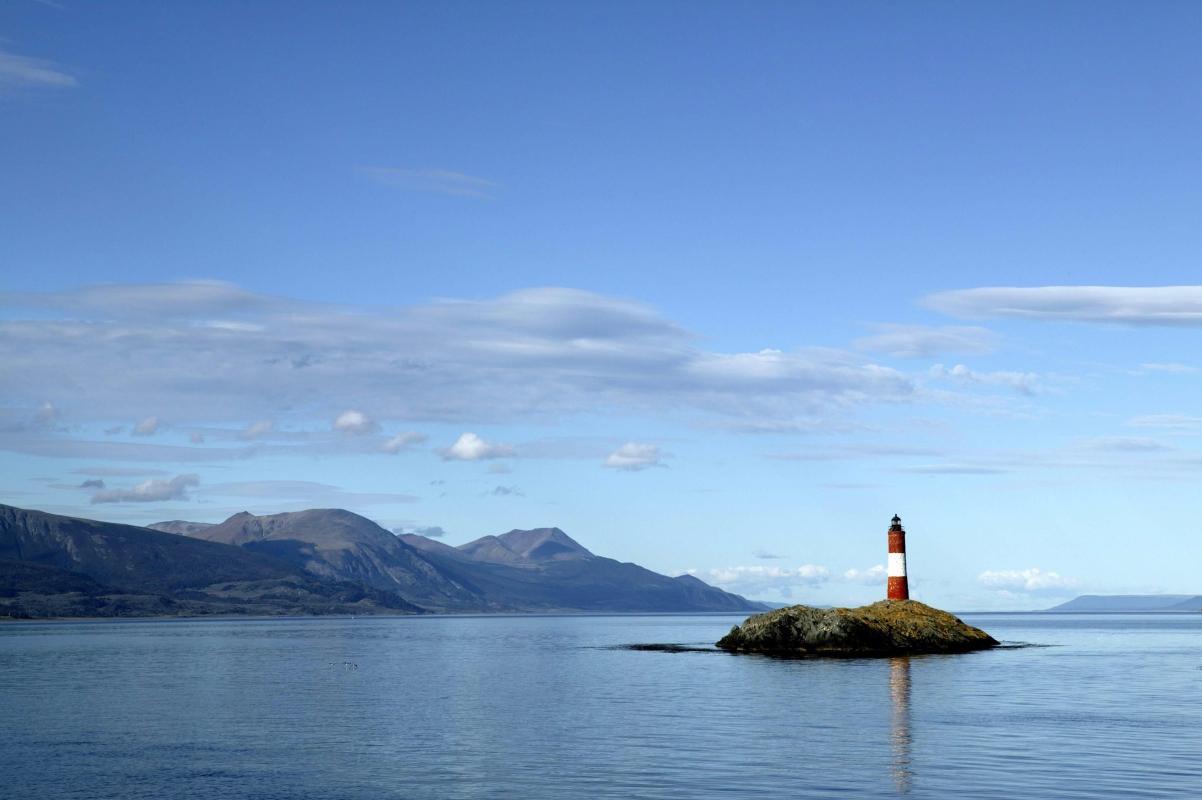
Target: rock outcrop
{"x": 890, "y": 627}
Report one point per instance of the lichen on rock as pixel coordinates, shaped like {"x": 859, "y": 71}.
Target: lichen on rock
{"x": 885, "y": 628}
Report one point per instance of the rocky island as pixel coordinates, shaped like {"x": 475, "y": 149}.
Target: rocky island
{"x": 885, "y": 628}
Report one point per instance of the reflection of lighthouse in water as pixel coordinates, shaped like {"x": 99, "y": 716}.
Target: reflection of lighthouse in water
{"x": 899, "y": 586}
{"x": 899, "y": 734}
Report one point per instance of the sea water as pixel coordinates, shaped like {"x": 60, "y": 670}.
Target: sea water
{"x": 555, "y": 707}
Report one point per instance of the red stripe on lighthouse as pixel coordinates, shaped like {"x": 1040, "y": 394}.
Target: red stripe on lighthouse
{"x": 898, "y": 586}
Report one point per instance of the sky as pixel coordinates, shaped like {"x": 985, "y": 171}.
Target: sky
{"x": 713, "y": 287}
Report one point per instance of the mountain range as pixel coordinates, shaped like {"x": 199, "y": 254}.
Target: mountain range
{"x": 318, "y": 561}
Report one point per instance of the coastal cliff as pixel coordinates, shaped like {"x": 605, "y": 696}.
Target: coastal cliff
{"x": 889, "y": 627}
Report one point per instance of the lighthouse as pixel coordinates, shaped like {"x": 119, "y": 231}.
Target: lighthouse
{"x": 899, "y": 588}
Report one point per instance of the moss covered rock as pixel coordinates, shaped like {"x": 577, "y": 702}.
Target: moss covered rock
{"x": 890, "y": 627}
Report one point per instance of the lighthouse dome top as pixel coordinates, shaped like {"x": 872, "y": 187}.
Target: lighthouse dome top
{"x": 896, "y": 520}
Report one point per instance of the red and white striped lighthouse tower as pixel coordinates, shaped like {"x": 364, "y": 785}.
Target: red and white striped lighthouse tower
{"x": 899, "y": 587}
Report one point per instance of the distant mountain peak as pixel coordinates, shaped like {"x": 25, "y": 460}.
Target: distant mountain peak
{"x": 323, "y": 527}
{"x": 180, "y": 526}
{"x": 526, "y": 547}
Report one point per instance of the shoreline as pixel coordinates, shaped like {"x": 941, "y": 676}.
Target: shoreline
{"x": 512, "y": 614}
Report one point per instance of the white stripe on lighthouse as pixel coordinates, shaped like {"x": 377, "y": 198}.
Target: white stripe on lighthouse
{"x": 897, "y": 565}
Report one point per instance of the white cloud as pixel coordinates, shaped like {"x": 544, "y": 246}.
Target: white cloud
{"x": 22, "y": 71}
{"x": 256, "y": 429}
{"x": 151, "y": 491}
{"x": 148, "y": 426}
{"x": 441, "y": 181}
{"x": 1133, "y": 305}
{"x": 470, "y": 447}
{"x": 923, "y": 341}
{"x": 1022, "y": 382}
{"x": 634, "y": 456}
{"x": 868, "y": 577}
{"x": 356, "y": 422}
{"x": 760, "y": 578}
{"x": 527, "y": 354}
{"x": 1031, "y": 581}
{"x": 403, "y": 441}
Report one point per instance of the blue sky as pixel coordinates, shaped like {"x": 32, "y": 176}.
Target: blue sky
{"x": 711, "y": 286}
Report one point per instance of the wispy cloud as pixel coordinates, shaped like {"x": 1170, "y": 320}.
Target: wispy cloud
{"x": 257, "y": 430}
{"x": 924, "y": 341}
{"x": 151, "y": 491}
{"x": 1130, "y": 456}
{"x": 311, "y": 492}
{"x": 148, "y": 426}
{"x": 853, "y": 452}
{"x": 759, "y": 578}
{"x": 119, "y": 472}
{"x": 1124, "y": 444}
{"x": 507, "y": 491}
{"x": 1027, "y": 383}
{"x": 19, "y": 72}
{"x": 431, "y": 179}
{"x": 1131, "y": 305}
{"x": 403, "y": 441}
{"x": 1175, "y": 423}
{"x": 527, "y": 354}
{"x": 1029, "y": 581}
{"x": 867, "y": 577}
{"x": 1170, "y": 368}
{"x": 952, "y": 469}
{"x": 47, "y": 415}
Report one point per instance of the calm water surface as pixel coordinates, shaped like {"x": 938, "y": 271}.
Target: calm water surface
{"x": 544, "y": 707}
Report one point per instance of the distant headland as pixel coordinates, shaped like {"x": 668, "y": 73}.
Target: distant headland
{"x": 1128, "y": 603}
